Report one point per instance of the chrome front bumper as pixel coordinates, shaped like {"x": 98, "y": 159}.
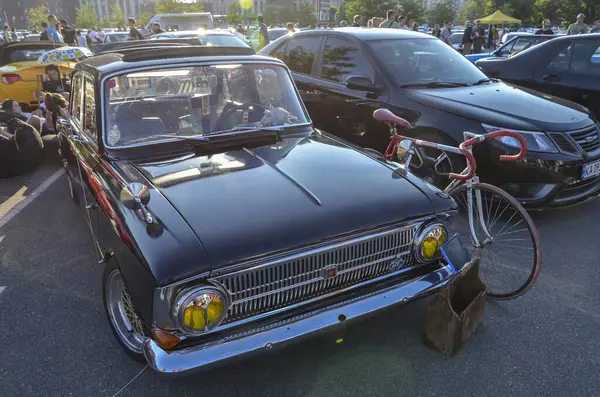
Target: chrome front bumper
{"x": 268, "y": 338}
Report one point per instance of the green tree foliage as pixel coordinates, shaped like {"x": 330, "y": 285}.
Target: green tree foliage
{"x": 332, "y": 13}
{"x": 442, "y": 12}
{"x": 144, "y": 18}
{"x": 285, "y": 11}
{"x": 234, "y": 13}
{"x": 368, "y": 8}
{"x": 86, "y": 17}
{"x": 305, "y": 15}
{"x": 413, "y": 10}
{"x": 340, "y": 15}
{"x": 270, "y": 14}
{"x": 37, "y": 16}
{"x": 173, "y": 6}
{"x": 558, "y": 11}
{"x": 117, "y": 16}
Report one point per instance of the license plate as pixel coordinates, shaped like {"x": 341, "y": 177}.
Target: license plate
{"x": 590, "y": 170}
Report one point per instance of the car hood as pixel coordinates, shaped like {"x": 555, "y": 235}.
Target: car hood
{"x": 506, "y": 106}
{"x": 245, "y": 203}
{"x": 475, "y": 57}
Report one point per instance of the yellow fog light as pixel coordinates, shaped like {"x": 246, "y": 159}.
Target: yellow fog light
{"x": 200, "y": 310}
{"x": 429, "y": 242}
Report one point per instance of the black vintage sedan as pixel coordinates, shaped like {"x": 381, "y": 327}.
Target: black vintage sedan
{"x": 226, "y": 223}
{"x": 344, "y": 74}
{"x": 566, "y": 67}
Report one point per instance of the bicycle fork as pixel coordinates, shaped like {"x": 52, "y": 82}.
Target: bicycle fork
{"x": 478, "y": 201}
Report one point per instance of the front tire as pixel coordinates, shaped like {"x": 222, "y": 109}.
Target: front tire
{"x": 126, "y": 324}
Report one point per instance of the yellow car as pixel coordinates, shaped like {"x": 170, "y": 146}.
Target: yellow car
{"x": 20, "y": 72}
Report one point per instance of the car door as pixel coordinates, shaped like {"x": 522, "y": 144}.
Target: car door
{"x": 551, "y": 73}
{"x": 584, "y": 74}
{"x": 79, "y": 144}
{"x": 348, "y": 112}
{"x": 299, "y": 54}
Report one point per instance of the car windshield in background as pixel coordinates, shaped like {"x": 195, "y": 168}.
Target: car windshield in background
{"x": 26, "y": 55}
{"x": 199, "y": 101}
{"x": 116, "y": 38}
{"x": 416, "y": 61}
{"x": 222, "y": 40}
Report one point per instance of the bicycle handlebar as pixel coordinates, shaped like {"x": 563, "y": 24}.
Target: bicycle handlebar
{"x": 472, "y": 165}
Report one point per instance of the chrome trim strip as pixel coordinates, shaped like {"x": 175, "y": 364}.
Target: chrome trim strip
{"x": 288, "y": 176}
{"x": 184, "y": 361}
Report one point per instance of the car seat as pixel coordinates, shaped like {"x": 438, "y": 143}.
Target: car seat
{"x": 132, "y": 123}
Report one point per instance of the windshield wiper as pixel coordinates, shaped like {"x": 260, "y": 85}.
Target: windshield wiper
{"x": 434, "y": 84}
{"x": 483, "y": 81}
{"x": 235, "y": 131}
{"x": 196, "y": 138}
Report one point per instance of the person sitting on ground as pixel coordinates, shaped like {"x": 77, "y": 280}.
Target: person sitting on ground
{"x": 53, "y": 82}
{"x": 13, "y": 109}
{"x": 55, "y": 103}
{"x": 21, "y": 149}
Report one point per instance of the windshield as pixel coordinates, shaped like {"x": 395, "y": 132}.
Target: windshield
{"x": 414, "y": 61}
{"x": 199, "y": 100}
{"x": 115, "y": 38}
{"x": 223, "y": 40}
{"x": 26, "y": 55}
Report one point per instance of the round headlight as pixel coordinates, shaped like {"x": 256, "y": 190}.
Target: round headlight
{"x": 429, "y": 242}
{"x": 200, "y": 310}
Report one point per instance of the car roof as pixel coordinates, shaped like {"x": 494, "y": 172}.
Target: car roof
{"x": 198, "y": 32}
{"x": 150, "y": 55}
{"x": 369, "y": 33}
{"x": 30, "y": 44}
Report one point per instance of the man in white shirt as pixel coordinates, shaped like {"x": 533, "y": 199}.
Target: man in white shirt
{"x": 81, "y": 40}
{"x": 446, "y": 33}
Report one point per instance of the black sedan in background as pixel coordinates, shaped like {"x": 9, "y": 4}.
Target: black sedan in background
{"x": 345, "y": 74}
{"x": 566, "y": 67}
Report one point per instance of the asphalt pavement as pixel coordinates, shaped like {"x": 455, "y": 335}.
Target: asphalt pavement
{"x": 55, "y": 339}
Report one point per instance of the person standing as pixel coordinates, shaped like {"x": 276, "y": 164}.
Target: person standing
{"x": 81, "y": 39}
{"x": 402, "y": 22}
{"x": 415, "y": 27}
{"x": 6, "y": 34}
{"x": 478, "y": 37}
{"x": 156, "y": 29}
{"x": 578, "y": 27}
{"x": 53, "y": 32}
{"x": 44, "y": 34}
{"x": 546, "y": 29}
{"x": 263, "y": 33}
{"x": 467, "y": 40}
{"x": 357, "y": 21}
{"x": 69, "y": 32}
{"x": 290, "y": 28}
{"x": 596, "y": 28}
{"x": 391, "y": 20}
{"x": 436, "y": 30}
{"x": 134, "y": 33}
{"x": 446, "y": 33}
{"x": 13, "y": 35}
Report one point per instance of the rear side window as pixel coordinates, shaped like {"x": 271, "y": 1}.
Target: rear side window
{"x": 561, "y": 60}
{"x": 342, "y": 58}
{"x": 77, "y": 98}
{"x": 300, "y": 53}
{"x": 585, "y": 57}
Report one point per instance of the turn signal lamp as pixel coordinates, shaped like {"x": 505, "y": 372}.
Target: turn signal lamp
{"x": 165, "y": 339}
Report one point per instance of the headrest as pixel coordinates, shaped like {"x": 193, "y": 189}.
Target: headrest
{"x": 130, "y": 111}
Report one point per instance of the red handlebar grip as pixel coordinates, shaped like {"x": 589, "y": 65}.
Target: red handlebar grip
{"x": 470, "y": 160}
{"x": 518, "y": 137}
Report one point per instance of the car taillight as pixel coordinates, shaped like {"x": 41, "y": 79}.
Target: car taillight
{"x": 10, "y": 78}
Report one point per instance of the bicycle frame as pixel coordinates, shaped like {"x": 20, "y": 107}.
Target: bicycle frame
{"x": 455, "y": 182}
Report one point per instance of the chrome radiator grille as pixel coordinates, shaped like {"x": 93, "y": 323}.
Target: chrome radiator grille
{"x": 314, "y": 273}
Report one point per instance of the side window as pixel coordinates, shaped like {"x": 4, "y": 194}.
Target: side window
{"x": 89, "y": 119}
{"x": 341, "y": 59}
{"x": 267, "y": 84}
{"x": 279, "y": 53}
{"x": 77, "y": 99}
{"x": 300, "y": 53}
{"x": 561, "y": 60}
{"x": 585, "y": 57}
{"x": 507, "y": 49}
{"x": 521, "y": 44}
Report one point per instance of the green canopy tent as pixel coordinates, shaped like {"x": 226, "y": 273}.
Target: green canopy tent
{"x": 498, "y": 18}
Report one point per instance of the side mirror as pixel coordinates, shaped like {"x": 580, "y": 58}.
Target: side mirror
{"x": 361, "y": 83}
{"x": 135, "y": 196}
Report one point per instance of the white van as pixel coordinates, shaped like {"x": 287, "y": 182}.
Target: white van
{"x": 183, "y": 21}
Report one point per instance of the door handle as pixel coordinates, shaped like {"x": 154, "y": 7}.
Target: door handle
{"x": 551, "y": 77}
{"x": 91, "y": 206}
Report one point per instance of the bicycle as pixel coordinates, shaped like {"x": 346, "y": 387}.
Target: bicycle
{"x": 475, "y": 210}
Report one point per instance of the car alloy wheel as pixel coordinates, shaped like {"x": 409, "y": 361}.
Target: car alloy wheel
{"x": 121, "y": 312}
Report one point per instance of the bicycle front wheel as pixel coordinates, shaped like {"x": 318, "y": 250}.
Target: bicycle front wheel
{"x": 504, "y": 237}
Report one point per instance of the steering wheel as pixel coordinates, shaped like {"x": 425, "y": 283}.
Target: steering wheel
{"x": 245, "y": 113}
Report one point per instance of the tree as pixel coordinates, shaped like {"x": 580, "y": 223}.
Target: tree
{"x": 340, "y": 15}
{"x": 305, "y": 15}
{"x": 442, "y": 12}
{"x": 117, "y": 16}
{"x": 144, "y": 18}
{"x": 86, "y": 17}
{"x": 413, "y": 10}
{"x": 475, "y": 9}
{"x": 558, "y": 11}
{"x": 234, "y": 13}
{"x": 175, "y": 7}
{"x": 37, "y": 16}
{"x": 333, "y": 11}
{"x": 285, "y": 11}
{"x": 369, "y": 8}
{"x": 270, "y": 14}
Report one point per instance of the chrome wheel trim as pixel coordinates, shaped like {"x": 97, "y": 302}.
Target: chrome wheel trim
{"x": 122, "y": 313}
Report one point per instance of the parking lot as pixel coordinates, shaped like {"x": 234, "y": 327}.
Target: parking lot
{"x": 55, "y": 340}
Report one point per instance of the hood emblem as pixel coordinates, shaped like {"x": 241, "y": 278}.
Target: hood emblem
{"x": 330, "y": 272}
{"x": 572, "y": 118}
{"x": 396, "y": 264}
